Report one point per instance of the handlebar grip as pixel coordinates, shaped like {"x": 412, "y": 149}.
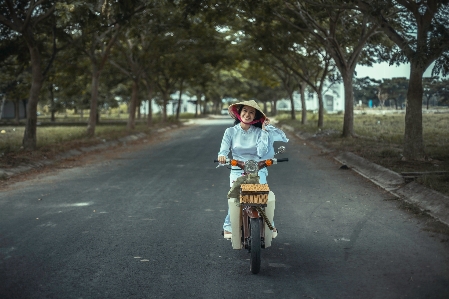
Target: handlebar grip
{"x": 283, "y": 160}
{"x": 215, "y": 161}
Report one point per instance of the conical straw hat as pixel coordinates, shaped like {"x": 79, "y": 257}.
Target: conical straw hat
{"x": 233, "y": 109}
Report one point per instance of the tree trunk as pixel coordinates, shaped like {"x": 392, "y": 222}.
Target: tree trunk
{"x": 413, "y": 135}
{"x": 178, "y": 109}
{"x": 138, "y": 108}
{"x": 348, "y": 120}
{"x": 91, "y": 123}
{"x": 320, "y": 109}
{"x": 52, "y": 103}
{"x": 273, "y": 108}
{"x": 150, "y": 108}
{"x": 198, "y": 100}
{"x": 17, "y": 111}
{"x": 302, "y": 89}
{"x": 150, "y": 113}
{"x": 196, "y": 109}
{"x": 164, "y": 107}
{"x": 205, "y": 105}
{"x": 216, "y": 107}
{"x": 2, "y": 106}
{"x": 132, "y": 107}
{"x": 292, "y": 103}
{"x": 29, "y": 141}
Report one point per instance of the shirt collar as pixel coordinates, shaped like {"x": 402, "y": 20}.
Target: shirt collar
{"x": 251, "y": 128}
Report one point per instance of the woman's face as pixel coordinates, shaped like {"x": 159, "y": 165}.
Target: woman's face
{"x": 248, "y": 114}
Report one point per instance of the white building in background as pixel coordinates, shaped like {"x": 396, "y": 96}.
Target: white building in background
{"x": 333, "y": 100}
{"x": 187, "y": 105}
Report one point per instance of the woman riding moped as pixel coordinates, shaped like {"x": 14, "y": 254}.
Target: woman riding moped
{"x": 251, "y": 138}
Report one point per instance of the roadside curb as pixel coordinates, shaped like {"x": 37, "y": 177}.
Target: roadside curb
{"x": 10, "y": 172}
{"x": 381, "y": 176}
{"x": 427, "y": 200}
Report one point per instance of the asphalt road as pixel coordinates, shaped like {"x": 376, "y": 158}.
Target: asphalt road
{"x": 147, "y": 224}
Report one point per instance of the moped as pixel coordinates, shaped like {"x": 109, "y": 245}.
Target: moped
{"x": 252, "y": 213}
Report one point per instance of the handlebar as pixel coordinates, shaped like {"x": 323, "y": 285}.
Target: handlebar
{"x": 277, "y": 160}
{"x": 261, "y": 164}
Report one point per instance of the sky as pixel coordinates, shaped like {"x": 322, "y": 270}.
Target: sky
{"x": 383, "y": 70}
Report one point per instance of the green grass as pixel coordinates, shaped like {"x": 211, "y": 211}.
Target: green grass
{"x": 73, "y": 128}
{"x": 56, "y": 136}
{"x": 381, "y": 140}
{"x": 380, "y": 128}
{"x": 70, "y": 117}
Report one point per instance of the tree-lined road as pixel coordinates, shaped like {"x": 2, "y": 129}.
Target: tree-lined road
{"x": 147, "y": 224}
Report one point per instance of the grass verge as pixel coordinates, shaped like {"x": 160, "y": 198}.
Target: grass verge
{"x": 381, "y": 140}
{"x": 55, "y": 139}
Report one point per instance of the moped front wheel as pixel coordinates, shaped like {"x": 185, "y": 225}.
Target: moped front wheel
{"x": 255, "y": 244}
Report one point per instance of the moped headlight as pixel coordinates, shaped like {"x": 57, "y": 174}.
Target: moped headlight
{"x": 251, "y": 166}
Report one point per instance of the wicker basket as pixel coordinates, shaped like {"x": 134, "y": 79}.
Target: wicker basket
{"x": 254, "y": 193}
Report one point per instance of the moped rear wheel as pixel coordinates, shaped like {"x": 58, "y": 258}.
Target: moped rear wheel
{"x": 255, "y": 244}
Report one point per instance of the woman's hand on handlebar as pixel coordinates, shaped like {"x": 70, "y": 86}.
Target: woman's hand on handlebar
{"x": 222, "y": 159}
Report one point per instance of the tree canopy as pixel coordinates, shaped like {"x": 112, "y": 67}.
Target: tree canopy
{"x": 82, "y": 54}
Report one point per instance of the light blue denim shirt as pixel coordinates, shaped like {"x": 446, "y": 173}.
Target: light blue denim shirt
{"x": 252, "y": 144}
{"x": 274, "y": 134}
